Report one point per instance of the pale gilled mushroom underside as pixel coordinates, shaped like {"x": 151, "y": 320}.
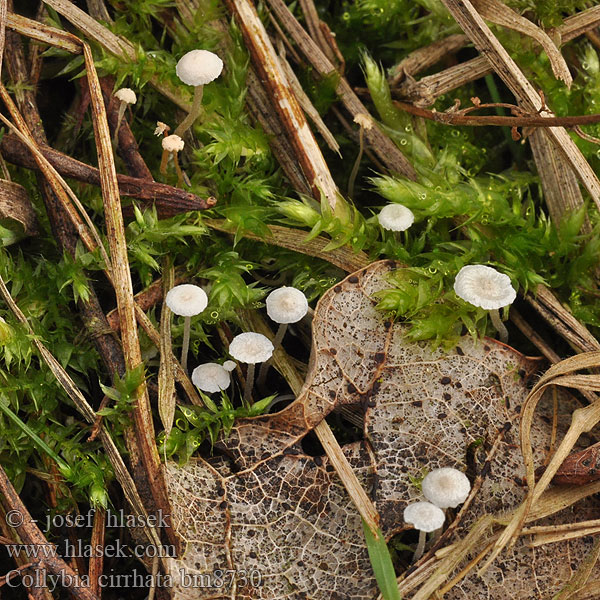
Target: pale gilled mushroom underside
{"x": 485, "y": 287}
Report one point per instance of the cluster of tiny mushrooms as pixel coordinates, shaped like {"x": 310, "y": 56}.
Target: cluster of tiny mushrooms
{"x": 480, "y": 285}
{"x": 443, "y": 488}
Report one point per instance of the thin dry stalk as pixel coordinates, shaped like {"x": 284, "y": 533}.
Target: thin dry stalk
{"x": 382, "y": 145}
{"x": 295, "y": 239}
{"x": 88, "y": 413}
{"x": 146, "y": 450}
{"x": 166, "y": 380}
{"x": 583, "y": 420}
{"x": 305, "y": 103}
{"x": 313, "y": 23}
{"x": 425, "y": 91}
{"x": 500, "y": 14}
{"x": 331, "y": 446}
{"x": 31, "y": 535}
{"x": 426, "y": 57}
{"x": 114, "y": 44}
{"x": 42, "y": 33}
{"x": 69, "y": 200}
{"x": 562, "y": 320}
{"x": 561, "y": 189}
{"x": 97, "y": 540}
{"x": 581, "y": 576}
{"x": 268, "y": 67}
{"x": 3, "y": 13}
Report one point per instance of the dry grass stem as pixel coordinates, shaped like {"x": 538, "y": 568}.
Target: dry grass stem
{"x": 425, "y": 91}
{"x": 267, "y": 65}
{"x": 426, "y": 57}
{"x": 382, "y": 145}
{"x": 166, "y": 379}
{"x": 295, "y": 239}
{"x": 500, "y": 14}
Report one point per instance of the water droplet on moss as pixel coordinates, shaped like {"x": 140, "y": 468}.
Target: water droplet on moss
{"x": 214, "y": 314}
{"x": 403, "y": 142}
{"x": 408, "y": 129}
{"x": 423, "y": 196}
{"x": 455, "y": 132}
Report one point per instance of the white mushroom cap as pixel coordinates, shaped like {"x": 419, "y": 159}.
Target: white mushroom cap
{"x": 199, "y": 67}
{"x": 172, "y": 143}
{"x": 229, "y": 365}
{"x": 161, "y": 128}
{"x": 126, "y": 95}
{"x": 186, "y": 300}
{"x": 251, "y": 348}
{"x": 396, "y": 217}
{"x": 424, "y": 516}
{"x": 364, "y": 120}
{"x": 446, "y": 487}
{"x": 211, "y": 377}
{"x": 484, "y": 286}
{"x": 286, "y": 305}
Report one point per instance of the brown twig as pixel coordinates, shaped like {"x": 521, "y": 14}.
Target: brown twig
{"x": 167, "y": 199}
{"x": 97, "y": 559}
{"x": 423, "y": 58}
{"x": 526, "y": 120}
{"x": 31, "y": 535}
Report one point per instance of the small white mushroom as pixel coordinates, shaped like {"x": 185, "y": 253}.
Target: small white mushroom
{"x": 197, "y": 68}
{"x": 161, "y": 128}
{"x": 284, "y": 305}
{"x": 425, "y": 517}
{"x": 446, "y": 487}
{"x": 211, "y": 377}
{"x": 172, "y": 144}
{"x": 487, "y": 288}
{"x": 396, "y": 217}
{"x": 126, "y": 96}
{"x": 186, "y": 300}
{"x": 229, "y": 365}
{"x": 250, "y": 348}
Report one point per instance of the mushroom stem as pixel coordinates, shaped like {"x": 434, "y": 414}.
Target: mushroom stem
{"x": 163, "y": 162}
{"x": 187, "y": 325}
{"x": 249, "y": 382}
{"x": 178, "y": 171}
{"x": 499, "y": 325}
{"x": 264, "y": 368}
{"x": 420, "y": 547}
{"x": 354, "y": 171}
{"x": 194, "y": 112}
{"x": 120, "y": 115}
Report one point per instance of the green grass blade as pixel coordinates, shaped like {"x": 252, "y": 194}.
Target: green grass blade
{"x": 381, "y": 561}
{"x": 36, "y": 439}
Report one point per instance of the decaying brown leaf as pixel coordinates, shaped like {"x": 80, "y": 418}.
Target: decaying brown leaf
{"x": 273, "y": 513}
